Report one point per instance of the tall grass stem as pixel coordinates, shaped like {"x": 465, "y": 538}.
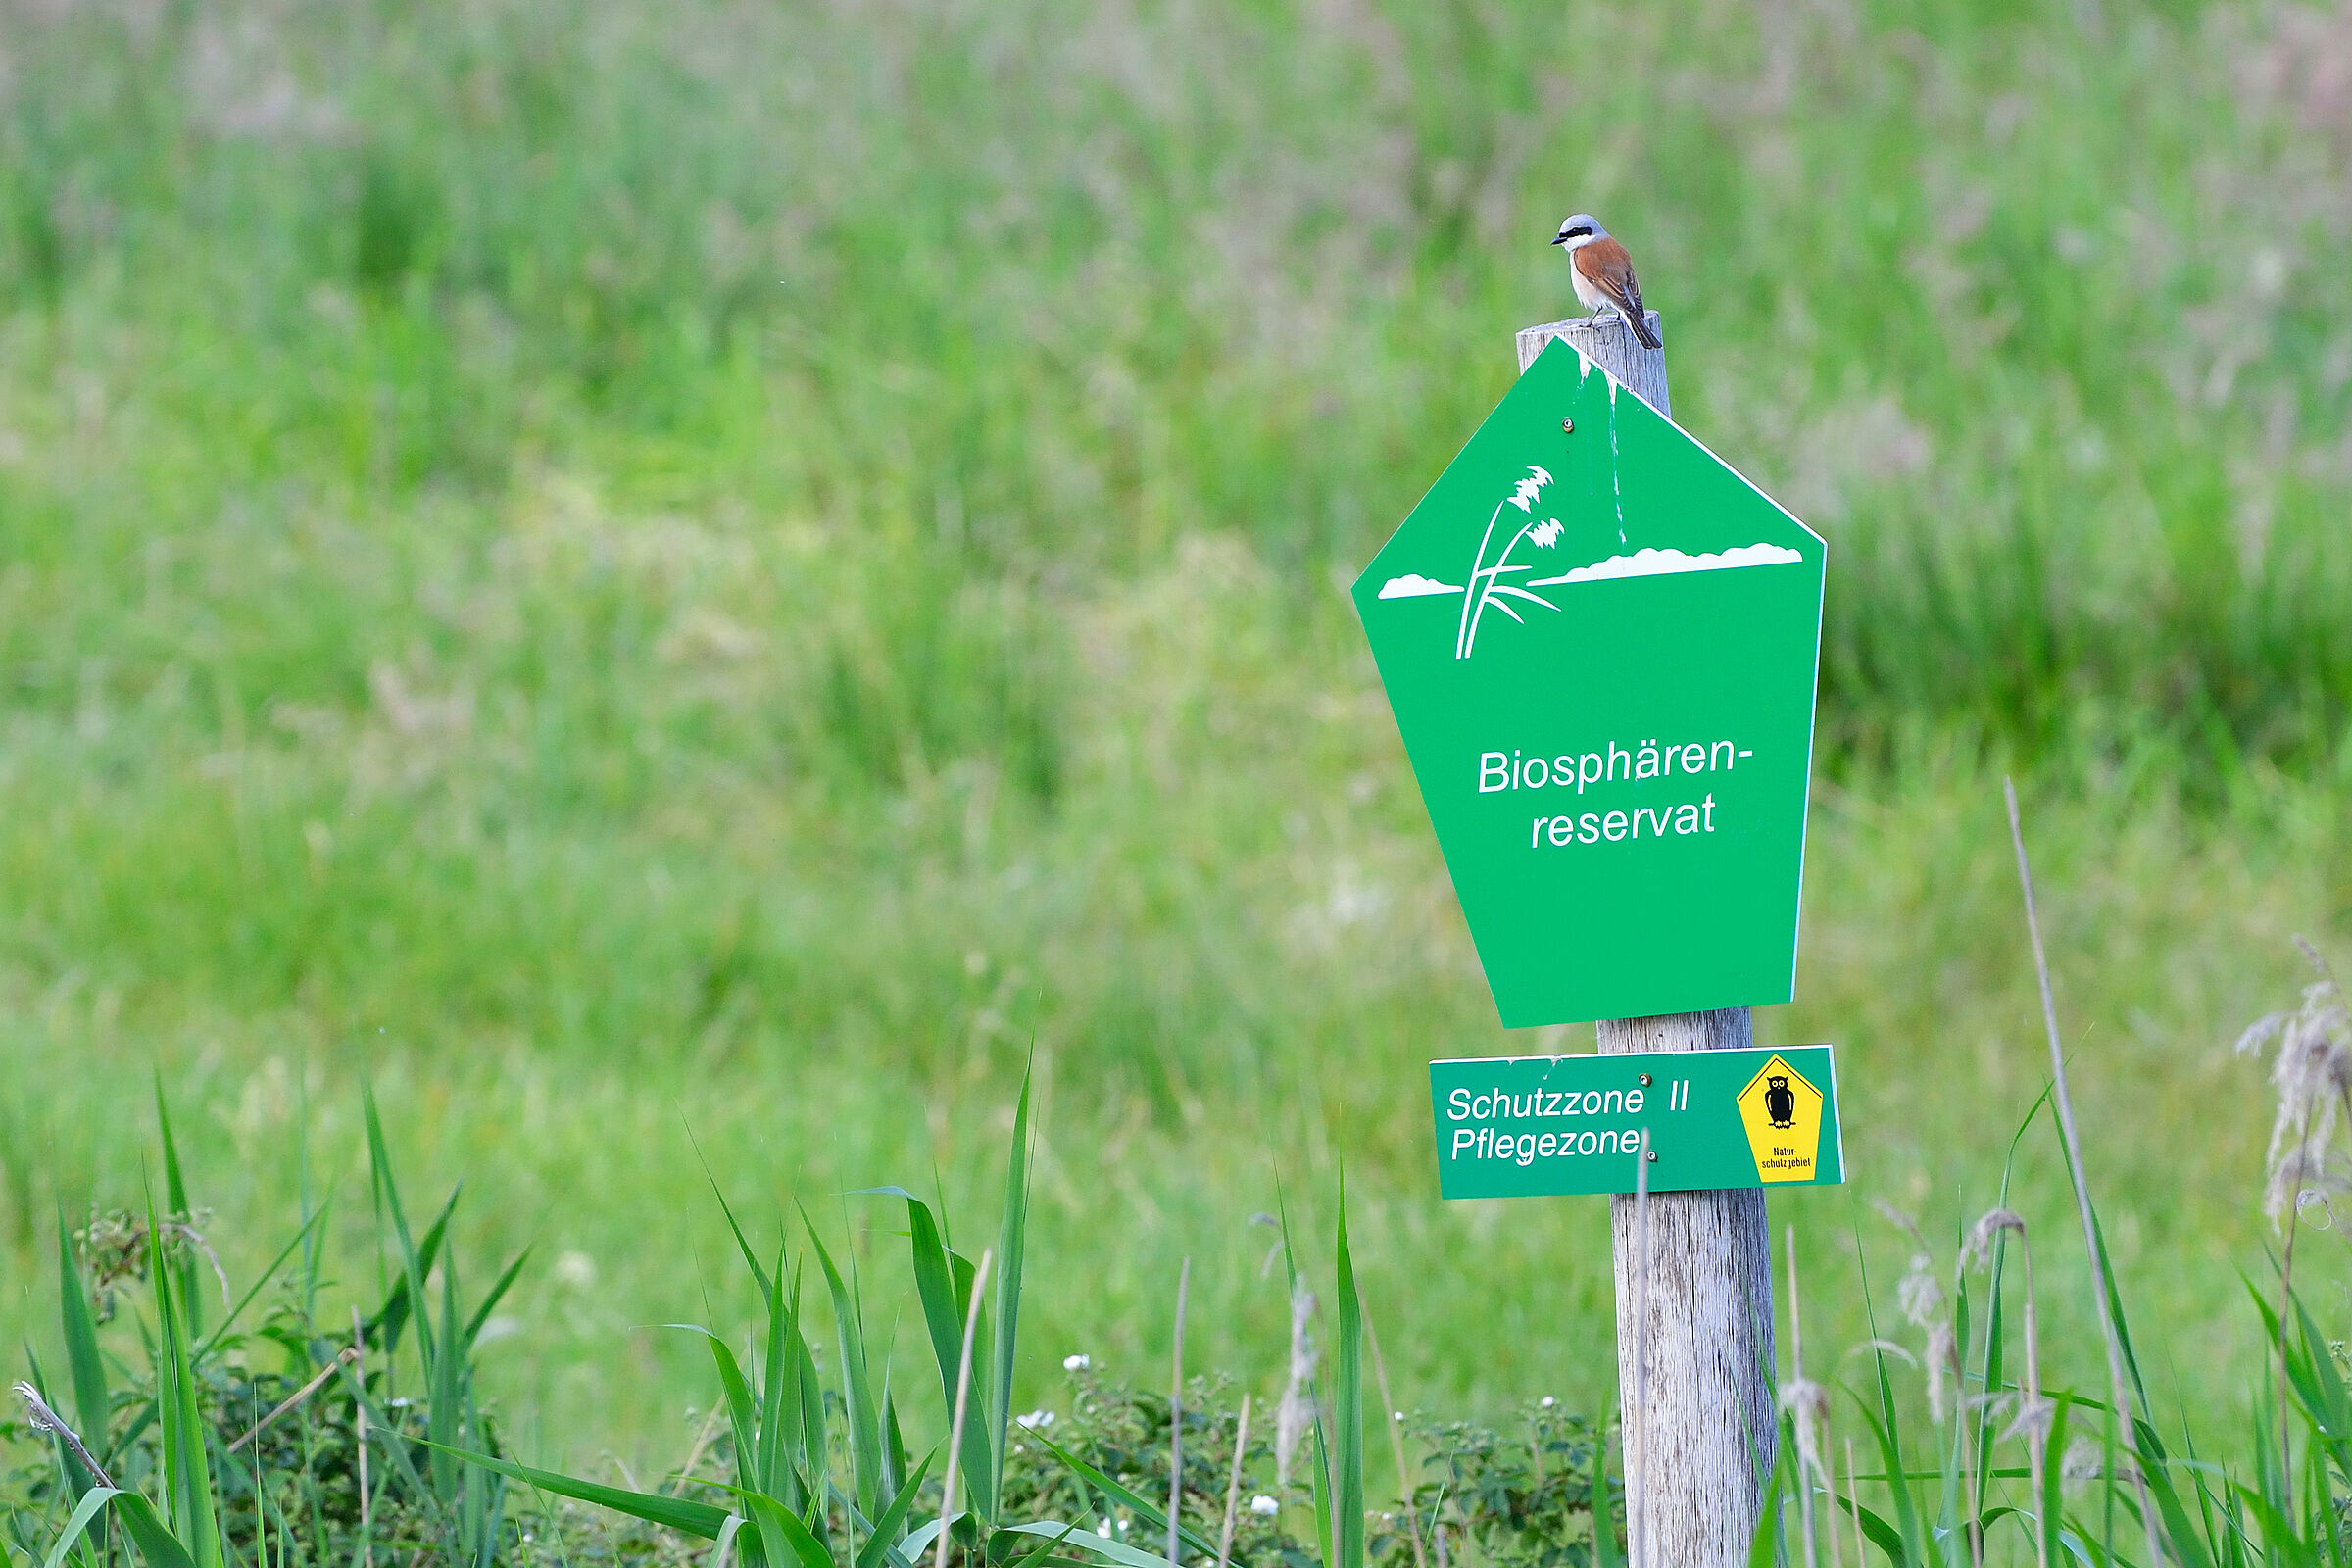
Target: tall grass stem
{"x": 359, "y": 1433}
{"x": 2119, "y": 1390}
{"x": 1806, "y": 1450}
{"x": 293, "y": 1402}
{"x": 1233, "y": 1485}
{"x": 1184, "y": 1285}
{"x": 1853, "y": 1506}
{"x": 1387, "y": 1402}
{"x": 963, "y": 1393}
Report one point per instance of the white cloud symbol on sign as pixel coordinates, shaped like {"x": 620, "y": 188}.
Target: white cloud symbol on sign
{"x": 1412, "y": 585}
{"x": 1666, "y": 563}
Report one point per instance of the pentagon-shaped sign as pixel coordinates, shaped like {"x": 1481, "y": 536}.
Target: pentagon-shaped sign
{"x": 1600, "y": 644}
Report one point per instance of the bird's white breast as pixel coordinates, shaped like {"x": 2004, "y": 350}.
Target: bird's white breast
{"x": 1584, "y": 291}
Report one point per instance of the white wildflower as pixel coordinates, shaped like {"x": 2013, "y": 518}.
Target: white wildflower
{"x": 1263, "y": 1506}
{"x": 1034, "y": 1421}
{"x": 1077, "y": 1363}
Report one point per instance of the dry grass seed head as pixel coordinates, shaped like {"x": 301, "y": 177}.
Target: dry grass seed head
{"x": 1808, "y": 1403}
{"x": 2085, "y": 1462}
{"x": 2034, "y": 1418}
{"x": 1919, "y": 1292}
{"x": 1980, "y": 1236}
{"x": 2312, "y": 1073}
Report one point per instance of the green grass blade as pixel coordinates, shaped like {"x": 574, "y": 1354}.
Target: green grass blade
{"x": 1347, "y": 1413}
{"x": 188, "y": 1483}
{"x": 148, "y": 1532}
{"x": 176, "y": 1197}
{"x": 1990, "y": 1370}
{"x": 92, "y": 1401}
{"x": 700, "y": 1519}
{"x": 212, "y": 1341}
{"x": 743, "y": 1243}
{"x": 1319, "y": 1466}
{"x": 1886, "y": 1426}
{"x": 781, "y": 1533}
{"x": 378, "y": 1425}
{"x": 445, "y": 1375}
{"x": 1764, "y": 1547}
{"x": 742, "y": 1408}
{"x": 1596, "y": 1499}
{"x": 856, "y": 1389}
{"x": 2282, "y": 1544}
{"x": 815, "y": 1454}
{"x": 2180, "y": 1535}
{"x": 886, "y": 1529}
{"x": 1880, "y": 1533}
{"x": 1152, "y": 1516}
{"x": 894, "y": 1441}
{"x": 1043, "y": 1552}
{"x": 1011, "y": 1244}
{"x": 2051, "y": 1503}
{"x": 1112, "y": 1551}
{"x": 79, "y": 1520}
{"x": 412, "y": 1265}
{"x": 779, "y": 1398}
{"x": 391, "y": 1320}
{"x": 944, "y": 1297}
{"x": 481, "y": 1314}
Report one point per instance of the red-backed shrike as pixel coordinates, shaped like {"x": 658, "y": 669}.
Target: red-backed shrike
{"x": 1603, "y": 275}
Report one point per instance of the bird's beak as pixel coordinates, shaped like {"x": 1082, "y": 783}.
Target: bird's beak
{"x": 1559, "y": 239}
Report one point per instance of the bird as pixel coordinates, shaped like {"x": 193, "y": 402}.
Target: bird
{"x": 1603, "y": 275}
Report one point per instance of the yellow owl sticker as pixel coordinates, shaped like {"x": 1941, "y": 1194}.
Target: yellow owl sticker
{"x": 1782, "y": 1113}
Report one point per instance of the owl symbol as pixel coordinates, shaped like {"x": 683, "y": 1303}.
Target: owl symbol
{"x": 1779, "y": 1103}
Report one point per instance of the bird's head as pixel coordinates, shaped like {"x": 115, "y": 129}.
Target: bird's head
{"x": 1579, "y": 231}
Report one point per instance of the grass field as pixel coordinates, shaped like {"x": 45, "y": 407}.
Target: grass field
{"x": 623, "y": 574}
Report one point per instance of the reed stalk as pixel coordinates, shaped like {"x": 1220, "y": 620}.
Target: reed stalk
{"x": 2119, "y": 1390}
{"x": 964, "y": 1391}
{"x": 1233, "y": 1485}
{"x": 1404, "y": 1479}
{"x": 1184, "y": 1284}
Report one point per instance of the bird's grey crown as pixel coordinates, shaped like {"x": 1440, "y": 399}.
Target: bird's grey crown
{"x": 1584, "y": 220}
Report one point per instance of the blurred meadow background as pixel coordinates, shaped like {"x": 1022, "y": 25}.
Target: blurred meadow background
{"x": 646, "y": 578}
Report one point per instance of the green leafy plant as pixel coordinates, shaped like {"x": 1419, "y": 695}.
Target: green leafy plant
{"x": 204, "y": 1458}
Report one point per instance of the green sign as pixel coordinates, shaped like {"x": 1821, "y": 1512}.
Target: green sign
{"x": 1600, "y": 644}
{"x": 1540, "y": 1126}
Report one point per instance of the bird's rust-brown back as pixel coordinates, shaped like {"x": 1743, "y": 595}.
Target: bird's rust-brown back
{"x": 1606, "y": 264}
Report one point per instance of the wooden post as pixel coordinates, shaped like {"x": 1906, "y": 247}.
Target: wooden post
{"x": 1700, "y": 1432}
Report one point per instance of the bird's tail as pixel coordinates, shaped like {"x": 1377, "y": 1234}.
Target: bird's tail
{"x": 1638, "y": 320}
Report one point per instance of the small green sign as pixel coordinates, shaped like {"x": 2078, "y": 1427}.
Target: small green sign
{"x": 1543, "y": 1126}
{"x": 1600, "y": 645}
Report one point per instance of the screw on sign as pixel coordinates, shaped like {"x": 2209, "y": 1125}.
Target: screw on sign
{"x": 1600, "y": 644}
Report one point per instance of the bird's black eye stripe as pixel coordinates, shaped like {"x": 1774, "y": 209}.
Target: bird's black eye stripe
{"x": 1578, "y": 232}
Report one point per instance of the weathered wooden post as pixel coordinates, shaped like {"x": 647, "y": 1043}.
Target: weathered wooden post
{"x": 1602, "y": 645}
{"x": 1699, "y": 1424}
